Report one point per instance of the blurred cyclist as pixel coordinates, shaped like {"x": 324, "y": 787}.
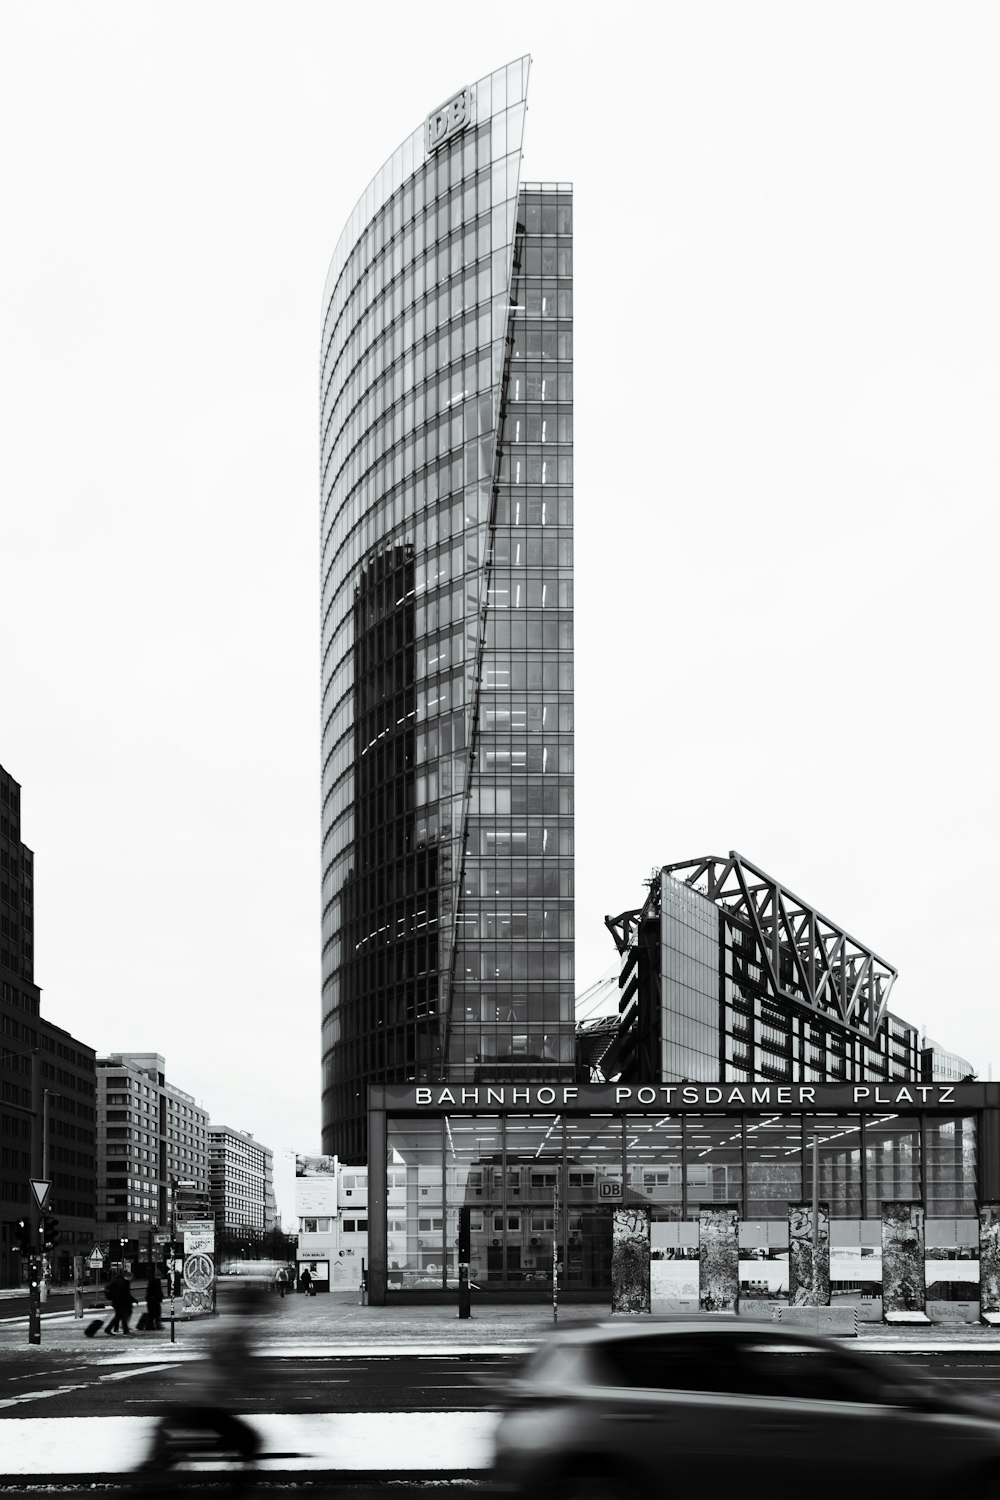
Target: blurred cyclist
{"x": 207, "y": 1390}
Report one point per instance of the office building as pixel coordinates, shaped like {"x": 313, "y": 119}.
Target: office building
{"x": 938, "y": 1065}
{"x": 447, "y": 627}
{"x": 241, "y": 1170}
{"x": 153, "y": 1163}
{"x": 725, "y": 974}
{"x": 47, "y": 1080}
{"x": 69, "y": 1145}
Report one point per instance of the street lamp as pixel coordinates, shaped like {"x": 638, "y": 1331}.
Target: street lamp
{"x": 47, "y": 1094}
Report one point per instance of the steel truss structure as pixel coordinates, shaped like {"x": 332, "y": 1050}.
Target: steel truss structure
{"x": 810, "y": 960}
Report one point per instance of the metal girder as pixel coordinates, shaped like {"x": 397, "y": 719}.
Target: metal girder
{"x": 810, "y": 960}
{"x": 623, "y": 928}
{"x": 594, "y": 1039}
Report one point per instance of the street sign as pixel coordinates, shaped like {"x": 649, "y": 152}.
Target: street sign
{"x": 41, "y": 1188}
{"x": 199, "y": 1241}
{"x": 161, "y": 1237}
{"x": 96, "y": 1260}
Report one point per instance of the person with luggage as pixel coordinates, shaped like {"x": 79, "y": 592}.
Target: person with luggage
{"x": 281, "y": 1280}
{"x": 119, "y": 1294}
{"x": 154, "y": 1301}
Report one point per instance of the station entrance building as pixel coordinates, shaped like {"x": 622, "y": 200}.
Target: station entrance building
{"x": 717, "y": 1191}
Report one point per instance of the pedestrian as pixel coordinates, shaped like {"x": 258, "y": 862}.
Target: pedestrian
{"x": 119, "y": 1293}
{"x": 154, "y": 1301}
{"x": 305, "y": 1281}
{"x": 281, "y": 1281}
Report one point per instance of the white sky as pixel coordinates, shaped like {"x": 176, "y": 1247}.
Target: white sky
{"x": 787, "y": 383}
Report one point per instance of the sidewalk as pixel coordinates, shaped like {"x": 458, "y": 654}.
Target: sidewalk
{"x": 335, "y": 1323}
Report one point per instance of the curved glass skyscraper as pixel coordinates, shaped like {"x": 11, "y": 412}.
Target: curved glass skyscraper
{"x": 446, "y": 508}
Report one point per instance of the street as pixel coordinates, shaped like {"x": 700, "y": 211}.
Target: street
{"x": 343, "y": 1396}
{"x": 140, "y": 1379}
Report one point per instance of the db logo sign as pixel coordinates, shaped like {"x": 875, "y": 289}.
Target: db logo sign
{"x": 449, "y": 119}
{"x": 610, "y": 1189}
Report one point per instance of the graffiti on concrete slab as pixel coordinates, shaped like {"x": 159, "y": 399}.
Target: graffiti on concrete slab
{"x": 808, "y": 1264}
{"x": 630, "y": 1260}
{"x": 719, "y": 1259}
{"x": 989, "y": 1258}
{"x": 903, "y": 1271}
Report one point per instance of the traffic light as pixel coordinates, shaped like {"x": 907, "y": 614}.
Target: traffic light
{"x": 22, "y": 1237}
{"x": 50, "y": 1230}
{"x": 35, "y": 1276}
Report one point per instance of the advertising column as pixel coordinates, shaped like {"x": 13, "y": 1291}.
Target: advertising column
{"x": 198, "y": 1274}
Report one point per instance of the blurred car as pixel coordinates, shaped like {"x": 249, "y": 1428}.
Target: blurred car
{"x": 734, "y": 1407}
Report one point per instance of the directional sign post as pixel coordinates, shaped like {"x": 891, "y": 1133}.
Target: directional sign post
{"x": 40, "y": 1189}
{"x": 95, "y": 1261}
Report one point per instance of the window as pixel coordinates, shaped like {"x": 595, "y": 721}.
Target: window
{"x": 665, "y": 1363}
{"x": 806, "y": 1372}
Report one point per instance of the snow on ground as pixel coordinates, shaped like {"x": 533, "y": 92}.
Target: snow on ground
{"x": 381, "y": 1441}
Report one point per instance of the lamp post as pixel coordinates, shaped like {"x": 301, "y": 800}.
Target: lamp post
{"x": 47, "y": 1094}
{"x": 815, "y": 1220}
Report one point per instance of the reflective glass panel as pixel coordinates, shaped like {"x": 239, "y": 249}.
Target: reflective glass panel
{"x": 839, "y": 1152}
{"x": 892, "y": 1154}
{"x": 713, "y": 1160}
{"x": 774, "y": 1165}
{"x": 653, "y": 1162}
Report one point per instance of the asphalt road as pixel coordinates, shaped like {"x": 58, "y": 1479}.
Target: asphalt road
{"x": 104, "y": 1383}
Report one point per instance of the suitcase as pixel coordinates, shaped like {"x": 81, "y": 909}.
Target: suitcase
{"x": 94, "y": 1326}
{"x": 143, "y": 1323}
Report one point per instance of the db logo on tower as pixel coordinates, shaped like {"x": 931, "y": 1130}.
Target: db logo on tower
{"x": 449, "y": 119}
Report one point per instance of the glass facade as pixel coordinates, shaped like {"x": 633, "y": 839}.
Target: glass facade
{"x": 544, "y": 1181}
{"x": 447, "y": 635}
{"x": 689, "y": 956}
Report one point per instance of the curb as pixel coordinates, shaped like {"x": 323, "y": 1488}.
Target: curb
{"x": 187, "y": 1479}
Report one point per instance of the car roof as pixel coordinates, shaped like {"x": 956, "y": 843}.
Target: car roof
{"x": 603, "y": 1331}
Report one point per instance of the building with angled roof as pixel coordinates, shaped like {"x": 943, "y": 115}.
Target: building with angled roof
{"x": 726, "y": 974}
